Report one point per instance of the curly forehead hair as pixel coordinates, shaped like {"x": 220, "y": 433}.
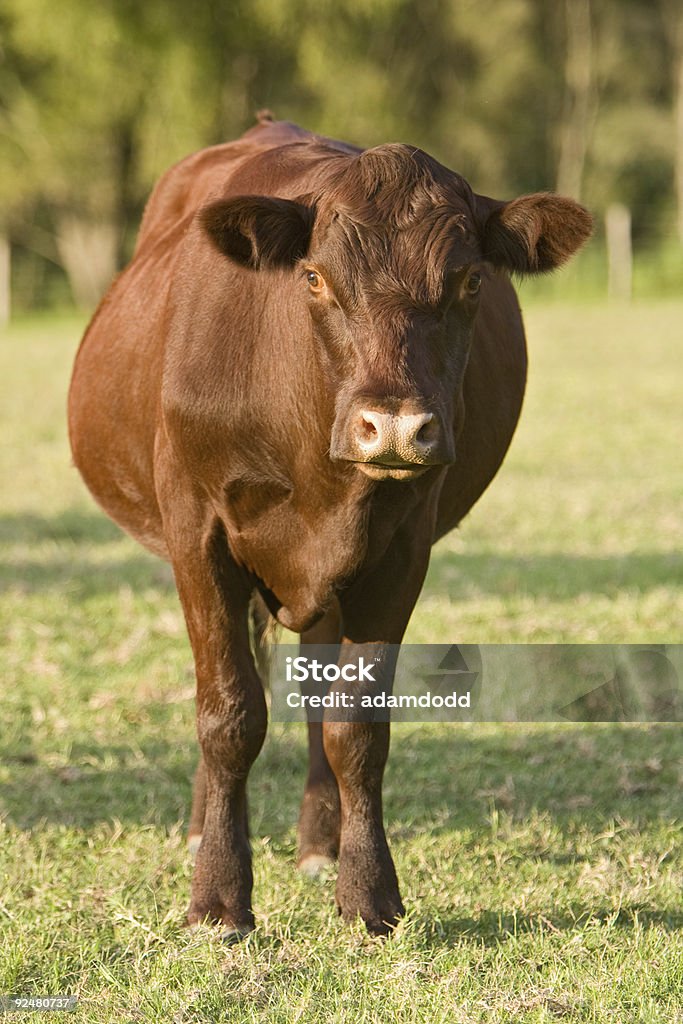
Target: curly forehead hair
{"x": 404, "y": 214}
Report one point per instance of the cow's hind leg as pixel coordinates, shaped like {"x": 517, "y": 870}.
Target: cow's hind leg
{"x": 320, "y": 815}
{"x": 319, "y": 818}
{"x": 196, "y": 827}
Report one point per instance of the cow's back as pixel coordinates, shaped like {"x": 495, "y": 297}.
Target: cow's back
{"x": 181, "y": 191}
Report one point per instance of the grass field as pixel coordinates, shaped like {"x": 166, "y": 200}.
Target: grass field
{"x": 541, "y": 864}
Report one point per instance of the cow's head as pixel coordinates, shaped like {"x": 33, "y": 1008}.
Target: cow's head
{"x": 393, "y": 257}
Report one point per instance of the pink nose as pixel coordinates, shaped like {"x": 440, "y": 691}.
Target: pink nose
{"x": 395, "y": 439}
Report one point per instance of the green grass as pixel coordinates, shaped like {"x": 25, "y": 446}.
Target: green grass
{"x": 540, "y": 864}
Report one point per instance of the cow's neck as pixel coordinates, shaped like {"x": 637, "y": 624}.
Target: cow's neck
{"x": 304, "y": 525}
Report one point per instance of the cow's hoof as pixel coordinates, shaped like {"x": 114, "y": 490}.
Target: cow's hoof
{"x": 231, "y": 936}
{"x": 380, "y": 904}
{"x": 234, "y": 926}
{"x": 318, "y": 831}
{"x": 313, "y": 865}
{"x": 193, "y": 844}
{"x": 367, "y": 887}
{"x": 380, "y": 917}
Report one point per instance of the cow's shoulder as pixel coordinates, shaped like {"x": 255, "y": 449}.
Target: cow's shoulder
{"x": 270, "y": 158}
{"x": 180, "y": 189}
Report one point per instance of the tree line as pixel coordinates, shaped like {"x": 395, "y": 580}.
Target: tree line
{"x": 97, "y": 100}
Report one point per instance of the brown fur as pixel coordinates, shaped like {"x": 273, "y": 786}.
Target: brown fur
{"x": 212, "y": 414}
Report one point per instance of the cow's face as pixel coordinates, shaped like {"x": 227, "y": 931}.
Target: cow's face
{"x": 392, "y": 259}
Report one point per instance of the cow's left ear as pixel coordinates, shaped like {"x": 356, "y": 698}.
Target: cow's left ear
{"x": 259, "y": 231}
{"x": 532, "y": 234}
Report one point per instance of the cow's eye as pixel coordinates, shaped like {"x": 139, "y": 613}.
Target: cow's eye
{"x": 315, "y": 281}
{"x": 473, "y": 284}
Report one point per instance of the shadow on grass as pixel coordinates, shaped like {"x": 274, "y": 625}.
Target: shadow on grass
{"x": 75, "y": 525}
{"x": 75, "y": 561}
{"x": 578, "y": 776}
{"x": 556, "y": 575}
{"x": 456, "y": 576}
{"x": 492, "y": 927}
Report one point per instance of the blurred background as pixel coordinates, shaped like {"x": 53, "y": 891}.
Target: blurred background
{"x": 97, "y": 100}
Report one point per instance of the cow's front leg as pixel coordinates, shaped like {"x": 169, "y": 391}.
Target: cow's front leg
{"x": 231, "y": 724}
{"x": 375, "y": 613}
{"x": 231, "y": 719}
{"x": 367, "y": 885}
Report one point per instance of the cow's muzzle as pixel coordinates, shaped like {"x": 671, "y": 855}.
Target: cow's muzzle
{"x": 400, "y": 443}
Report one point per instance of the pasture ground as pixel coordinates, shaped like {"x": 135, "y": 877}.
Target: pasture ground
{"x": 540, "y": 864}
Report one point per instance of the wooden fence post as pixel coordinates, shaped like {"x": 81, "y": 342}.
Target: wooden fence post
{"x": 619, "y": 251}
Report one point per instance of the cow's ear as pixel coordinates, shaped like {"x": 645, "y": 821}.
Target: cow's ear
{"x": 532, "y": 234}
{"x": 259, "y": 231}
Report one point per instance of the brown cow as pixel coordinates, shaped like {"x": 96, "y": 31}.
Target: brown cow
{"x": 310, "y": 370}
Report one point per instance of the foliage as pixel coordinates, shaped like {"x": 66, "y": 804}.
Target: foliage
{"x": 96, "y": 103}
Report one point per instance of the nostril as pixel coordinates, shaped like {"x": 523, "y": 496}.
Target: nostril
{"x": 367, "y": 430}
{"x": 427, "y": 433}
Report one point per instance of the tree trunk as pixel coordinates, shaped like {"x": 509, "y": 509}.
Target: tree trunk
{"x": 578, "y": 73}
{"x": 88, "y": 251}
{"x": 673, "y": 30}
{"x": 126, "y": 211}
{"x": 5, "y": 290}
{"x": 678, "y": 129}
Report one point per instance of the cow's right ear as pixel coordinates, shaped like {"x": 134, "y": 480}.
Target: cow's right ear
{"x": 259, "y": 231}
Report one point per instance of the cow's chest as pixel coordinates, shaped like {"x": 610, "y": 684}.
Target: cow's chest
{"x": 305, "y": 543}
